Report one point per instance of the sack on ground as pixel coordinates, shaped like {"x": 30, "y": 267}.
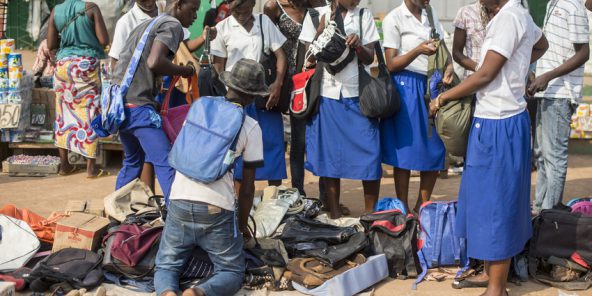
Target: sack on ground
{"x": 128, "y": 199}
{"x": 212, "y": 127}
{"x": 18, "y": 243}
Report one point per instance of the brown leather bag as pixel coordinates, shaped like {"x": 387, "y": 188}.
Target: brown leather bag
{"x": 311, "y": 272}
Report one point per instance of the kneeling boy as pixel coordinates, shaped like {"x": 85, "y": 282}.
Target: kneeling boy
{"x": 203, "y": 214}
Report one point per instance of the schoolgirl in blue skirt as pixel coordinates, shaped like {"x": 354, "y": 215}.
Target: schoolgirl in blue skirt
{"x": 408, "y": 140}
{"x": 240, "y": 36}
{"x": 494, "y": 200}
{"x": 340, "y": 141}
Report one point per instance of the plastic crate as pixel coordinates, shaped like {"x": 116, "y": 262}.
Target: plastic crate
{"x": 29, "y": 168}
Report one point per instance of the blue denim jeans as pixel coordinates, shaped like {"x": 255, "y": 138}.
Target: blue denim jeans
{"x": 550, "y": 148}
{"x": 143, "y": 140}
{"x": 190, "y": 224}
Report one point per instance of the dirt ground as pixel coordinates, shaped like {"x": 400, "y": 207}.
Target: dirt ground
{"x": 44, "y": 195}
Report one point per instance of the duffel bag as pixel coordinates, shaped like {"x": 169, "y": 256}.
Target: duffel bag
{"x": 561, "y": 235}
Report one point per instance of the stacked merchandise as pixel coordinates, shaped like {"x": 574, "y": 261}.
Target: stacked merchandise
{"x": 581, "y": 122}
{"x": 25, "y": 164}
{"x": 15, "y": 88}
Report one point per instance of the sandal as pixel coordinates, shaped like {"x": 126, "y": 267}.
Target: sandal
{"x": 465, "y": 283}
{"x": 102, "y": 173}
{"x": 74, "y": 170}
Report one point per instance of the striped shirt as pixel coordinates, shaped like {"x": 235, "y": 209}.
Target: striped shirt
{"x": 566, "y": 24}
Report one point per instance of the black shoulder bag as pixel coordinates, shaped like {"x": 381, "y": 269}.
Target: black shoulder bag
{"x": 379, "y": 97}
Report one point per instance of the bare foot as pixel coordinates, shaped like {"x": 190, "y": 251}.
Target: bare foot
{"x": 194, "y": 292}
{"x": 168, "y": 293}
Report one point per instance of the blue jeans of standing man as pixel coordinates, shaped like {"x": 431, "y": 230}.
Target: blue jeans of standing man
{"x": 143, "y": 140}
{"x": 552, "y": 137}
{"x": 191, "y": 224}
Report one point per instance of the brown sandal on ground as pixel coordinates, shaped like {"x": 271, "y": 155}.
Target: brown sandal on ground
{"x": 72, "y": 171}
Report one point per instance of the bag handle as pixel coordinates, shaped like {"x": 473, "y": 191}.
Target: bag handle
{"x": 191, "y": 95}
{"x": 434, "y": 33}
{"x": 135, "y": 60}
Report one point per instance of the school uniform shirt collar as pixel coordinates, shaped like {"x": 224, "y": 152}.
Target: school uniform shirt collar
{"x": 237, "y": 26}
{"x": 510, "y": 3}
{"x": 139, "y": 14}
{"x": 407, "y": 13}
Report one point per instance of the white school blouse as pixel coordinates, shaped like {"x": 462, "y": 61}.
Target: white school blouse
{"x": 234, "y": 43}
{"x": 511, "y": 33}
{"x": 404, "y": 32}
{"x": 346, "y": 82}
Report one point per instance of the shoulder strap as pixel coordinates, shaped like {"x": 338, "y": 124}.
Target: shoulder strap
{"x": 314, "y": 16}
{"x": 133, "y": 64}
{"x": 262, "y": 34}
{"x": 434, "y": 33}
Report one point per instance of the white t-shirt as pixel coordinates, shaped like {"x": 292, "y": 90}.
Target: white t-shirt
{"x": 309, "y": 31}
{"x": 126, "y": 24}
{"x": 346, "y": 82}
{"x": 221, "y": 192}
{"x": 511, "y": 33}
{"x": 404, "y": 32}
{"x": 234, "y": 43}
{"x": 566, "y": 25}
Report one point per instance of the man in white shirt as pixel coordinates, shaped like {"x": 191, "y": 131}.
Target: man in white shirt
{"x": 203, "y": 215}
{"x": 558, "y": 87}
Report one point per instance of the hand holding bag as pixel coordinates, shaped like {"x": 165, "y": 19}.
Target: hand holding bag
{"x": 173, "y": 118}
{"x": 379, "y": 97}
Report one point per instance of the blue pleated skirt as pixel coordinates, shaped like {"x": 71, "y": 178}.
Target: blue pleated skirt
{"x": 343, "y": 143}
{"x": 272, "y": 128}
{"x": 407, "y": 140}
{"x": 494, "y": 199}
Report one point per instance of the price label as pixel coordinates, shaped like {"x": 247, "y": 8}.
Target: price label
{"x": 38, "y": 114}
{"x": 10, "y": 115}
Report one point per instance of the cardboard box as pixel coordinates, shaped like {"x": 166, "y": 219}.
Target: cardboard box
{"x": 80, "y": 230}
{"x": 7, "y": 289}
{"x": 92, "y": 207}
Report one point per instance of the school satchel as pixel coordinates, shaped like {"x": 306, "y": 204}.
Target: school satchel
{"x": 80, "y": 268}
{"x": 212, "y": 127}
{"x": 173, "y": 118}
{"x": 439, "y": 246}
{"x": 567, "y": 236}
{"x": 113, "y": 95}
{"x": 379, "y": 97}
{"x": 453, "y": 120}
{"x": 130, "y": 250}
{"x": 394, "y": 234}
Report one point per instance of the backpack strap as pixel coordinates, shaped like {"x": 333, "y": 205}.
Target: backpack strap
{"x": 434, "y": 33}
{"x": 262, "y": 34}
{"x": 438, "y": 229}
{"x": 135, "y": 60}
{"x": 424, "y": 269}
{"x": 451, "y": 215}
{"x": 407, "y": 245}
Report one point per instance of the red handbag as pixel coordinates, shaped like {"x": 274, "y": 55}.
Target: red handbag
{"x": 173, "y": 118}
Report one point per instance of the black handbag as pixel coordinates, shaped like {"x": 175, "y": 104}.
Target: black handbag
{"x": 303, "y": 230}
{"x": 207, "y": 79}
{"x": 379, "y": 97}
{"x": 269, "y": 62}
{"x": 560, "y": 234}
{"x": 336, "y": 255}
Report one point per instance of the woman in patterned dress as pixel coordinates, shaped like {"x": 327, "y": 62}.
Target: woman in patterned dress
{"x": 77, "y": 30}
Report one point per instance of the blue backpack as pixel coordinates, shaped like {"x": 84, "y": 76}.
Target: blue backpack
{"x": 113, "y": 95}
{"x": 205, "y": 149}
{"x": 390, "y": 203}
{"x": 438, "y": 246}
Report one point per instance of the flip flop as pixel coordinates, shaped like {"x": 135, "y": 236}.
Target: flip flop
{"x": 74, "y": 170}
{"x": 465, "y": 283}
{"x": 102, "y": 173}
